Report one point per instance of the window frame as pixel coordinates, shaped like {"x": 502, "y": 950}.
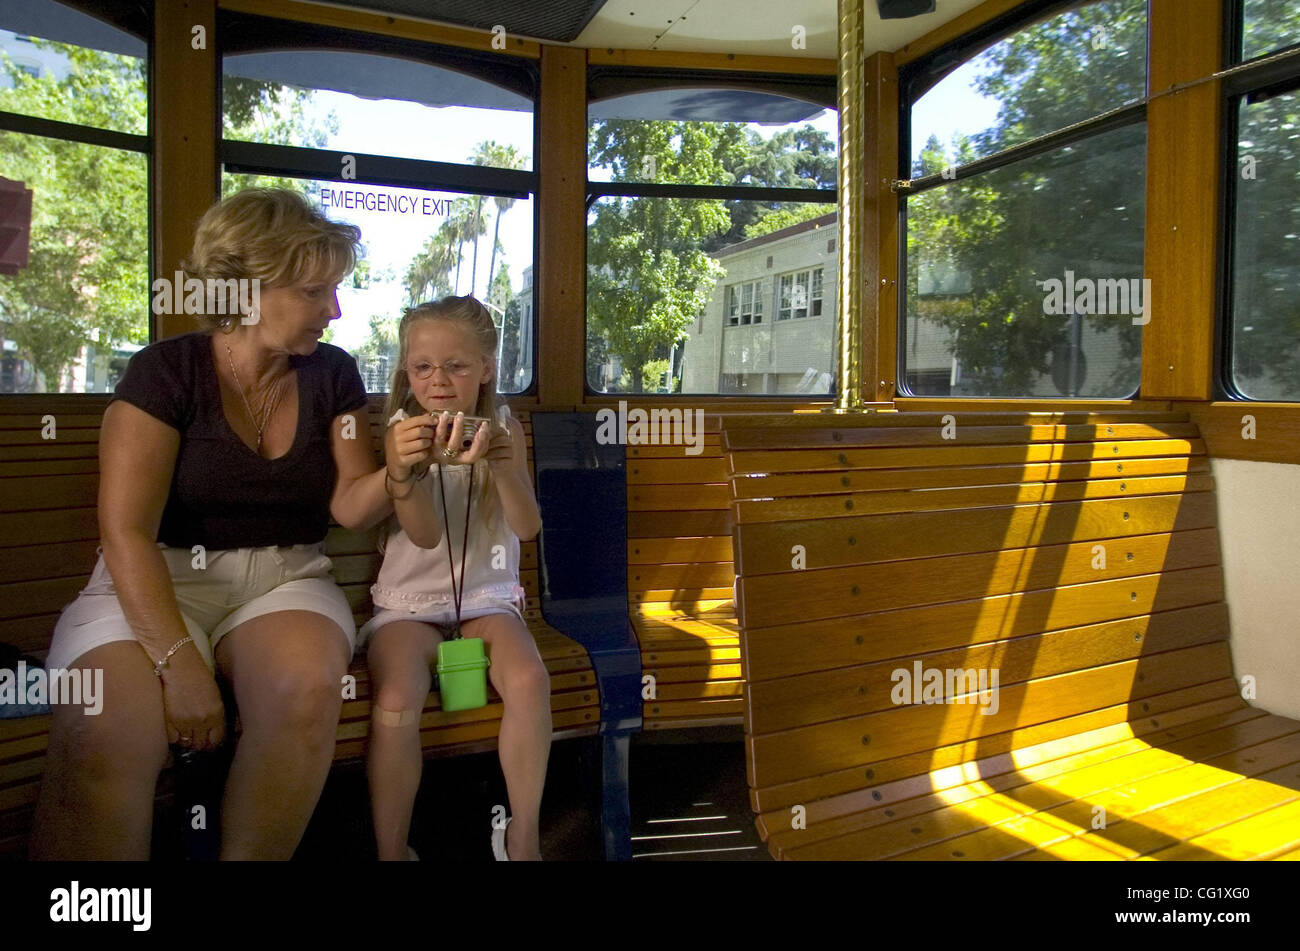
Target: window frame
{"x": 608, "y": 82}
{"x": 135, "y": 20}
{"x": 917, "y": 78}
{"x": 248, "y": 33}
{"x": 1266, "y": 75}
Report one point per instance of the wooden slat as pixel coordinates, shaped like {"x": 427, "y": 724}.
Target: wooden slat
{"x": 838, "y": 460}
{"x": 872, "y": 480}
{"x": 848, "y": 691}
{"x": 803, "y": 751}
{"x": 1006, "y": 815}
{"x": 960, "y": 497}
{"x": 769, "y": 547}
{"x": 919, "y": 429}
{"x": 1140, "y": 717}
{"x": 862, "y": 808}
{"x": 835, "y": 592}
{"x": 859, "y": 639}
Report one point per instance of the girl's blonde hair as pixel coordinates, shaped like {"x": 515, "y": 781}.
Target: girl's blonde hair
{"x": 470, "y": 313}
{"x": 273, "y": 235}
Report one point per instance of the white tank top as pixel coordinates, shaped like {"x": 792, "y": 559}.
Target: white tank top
{"x": 418, "y": 580}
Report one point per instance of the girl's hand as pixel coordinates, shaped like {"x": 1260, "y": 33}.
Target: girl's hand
{"x": 484, "y": 439}
{"x": 449, "y": 434}
{"x": 408, "y": 443}
{"x": 500, "y": 451}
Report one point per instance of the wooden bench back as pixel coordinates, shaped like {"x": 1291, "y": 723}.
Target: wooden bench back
{"x": 1075, "y": 554}
{"x": 679, "y": 580}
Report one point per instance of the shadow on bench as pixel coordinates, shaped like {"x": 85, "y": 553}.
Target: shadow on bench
{"x": 1003, "y": 637}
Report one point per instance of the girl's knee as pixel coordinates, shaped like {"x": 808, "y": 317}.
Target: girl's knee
{"x": 400, "y": 695}
{"x": 526, "y": 681}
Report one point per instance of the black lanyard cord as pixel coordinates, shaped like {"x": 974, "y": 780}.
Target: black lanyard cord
{"x": 457, "y": 591}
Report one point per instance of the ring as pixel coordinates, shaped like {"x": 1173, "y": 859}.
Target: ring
{"x": 185, "y": 740}
{"x": 451, "y": 453}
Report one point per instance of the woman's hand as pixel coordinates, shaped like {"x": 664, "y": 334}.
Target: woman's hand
{"x": 193, "y": 712}
{"x": 408, "y": 443}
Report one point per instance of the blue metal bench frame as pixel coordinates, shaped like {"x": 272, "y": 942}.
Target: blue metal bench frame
{"x": 581, "y": 490}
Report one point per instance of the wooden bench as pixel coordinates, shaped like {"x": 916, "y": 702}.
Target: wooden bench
{"x": 679, "y": 580}
{"x": 48, "y": 540}
{"x": 869, "y": 546}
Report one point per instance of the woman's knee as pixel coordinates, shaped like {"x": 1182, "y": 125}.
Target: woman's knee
{"x": 114, "y": 746}
{"x": 305, "y": 698}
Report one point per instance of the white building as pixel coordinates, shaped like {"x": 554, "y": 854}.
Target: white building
{"x": 769, "y": 326}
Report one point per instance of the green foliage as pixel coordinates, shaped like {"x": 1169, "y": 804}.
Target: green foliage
{"x": 649, "y": 266}
{"x": 654, "y": 379}
{"x": 88, "y": 265}
{"x": 87, "y": 280}
{"x": 1080, "y": 208}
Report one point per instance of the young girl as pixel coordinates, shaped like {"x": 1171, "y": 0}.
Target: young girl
{"x": 446, "y": 371}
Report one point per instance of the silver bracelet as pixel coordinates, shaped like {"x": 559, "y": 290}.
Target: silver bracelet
{"x": 158, "y": 667}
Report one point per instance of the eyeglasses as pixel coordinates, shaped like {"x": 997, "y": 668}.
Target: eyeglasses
{"x": 422, "y": 371}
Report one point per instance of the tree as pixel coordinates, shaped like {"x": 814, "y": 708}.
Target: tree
{"x": 87, "y": 281}
{"x": 498, "y": 156}
{"x": 648, "y": 276}
{"x": 1079, "y": 208}
{"x": 650, "y": 269}
{"x": 87, "y": 278}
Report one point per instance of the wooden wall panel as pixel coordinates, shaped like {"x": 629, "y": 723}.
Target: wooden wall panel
{"x": 562, "y": 227}
{"x": 1183, "y": 180}
{"x": 184, "y": 124}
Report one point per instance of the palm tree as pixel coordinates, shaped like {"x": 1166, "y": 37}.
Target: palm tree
{"x": 428, "y": 274}
{"x": 464, "y": 224}
{"x": 497, "y": 155}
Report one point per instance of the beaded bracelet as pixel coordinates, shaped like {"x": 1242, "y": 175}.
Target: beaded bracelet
{"x": 158, "y": 667}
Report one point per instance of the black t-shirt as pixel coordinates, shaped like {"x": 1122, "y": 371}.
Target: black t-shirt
{"x": 223, "y": 494}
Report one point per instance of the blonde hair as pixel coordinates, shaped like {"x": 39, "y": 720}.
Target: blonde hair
{"x": 470, "y": 313}
{"x": 273, "y": 235}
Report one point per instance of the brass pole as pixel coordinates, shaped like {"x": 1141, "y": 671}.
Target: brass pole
{"x": 852, "y": 207}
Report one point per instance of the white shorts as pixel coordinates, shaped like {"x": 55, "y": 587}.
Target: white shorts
{"x": 438, "y": 616}
{"x": 233, "y": 586}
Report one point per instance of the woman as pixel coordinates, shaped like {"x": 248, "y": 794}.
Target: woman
{"x": 222, "y": 457}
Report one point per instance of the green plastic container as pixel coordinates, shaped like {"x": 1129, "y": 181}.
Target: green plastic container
{"x": 462, "y": 674}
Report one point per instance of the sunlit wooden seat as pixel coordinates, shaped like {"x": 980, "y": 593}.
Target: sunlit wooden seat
{"x": 48, "y": 539}
{"x": 1074, "y": 554}
{"x": 679, "y": 580}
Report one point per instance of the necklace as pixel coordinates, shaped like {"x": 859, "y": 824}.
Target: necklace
{"x": 258, "y": 424}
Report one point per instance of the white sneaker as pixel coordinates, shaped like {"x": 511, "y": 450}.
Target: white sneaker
{"x": 499, "y": 842}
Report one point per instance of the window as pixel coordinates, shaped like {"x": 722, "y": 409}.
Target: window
{"x": 1262, "y": 328}
{"x": 694, "y": 190}
{"x": 801, "y": 294}
{"x": 1268, "y": 26}
{"x": 745, "y": 303}
{"x": 1025, "y": 214}
{"x": 73, "y": 117}
{"x": 439, "y": 181}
